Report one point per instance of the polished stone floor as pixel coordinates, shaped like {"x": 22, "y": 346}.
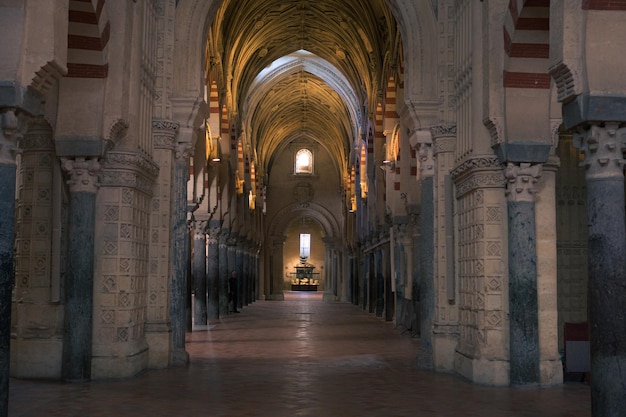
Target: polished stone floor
{"x": 300, "y": 357}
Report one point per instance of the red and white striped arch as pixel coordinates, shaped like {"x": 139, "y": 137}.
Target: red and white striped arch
{"x": 527, "y": 44}
{"x": 88, "y": 37}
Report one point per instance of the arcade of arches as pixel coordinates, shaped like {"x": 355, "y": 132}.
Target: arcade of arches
{"x": 456, "y": 164}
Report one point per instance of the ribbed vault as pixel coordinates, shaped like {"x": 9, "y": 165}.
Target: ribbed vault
{"x": 301, "y": 69}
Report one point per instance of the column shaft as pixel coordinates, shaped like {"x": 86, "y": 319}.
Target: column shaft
{"x": 199, "y": 275}
{"x": 427, "y": 274}
{"x": 180, "y": 258}
{"x": 524, "y": 323}
{"x": 223, "y": 273}
{"x": 607, "y": 296}
{"x": 79, "y": 288}
{"x": 213, "y": 275}
{"x": 7, "y": 206}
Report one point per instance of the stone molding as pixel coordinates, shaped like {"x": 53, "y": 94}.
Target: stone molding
{"x": 83, "y": 174}
{"x": 38, "y": 136}
{"x": 479, "y": 172}
{"x": 521, "y": 180}
{"x": 129, "y": 169}
{"x": 603, "y": 148}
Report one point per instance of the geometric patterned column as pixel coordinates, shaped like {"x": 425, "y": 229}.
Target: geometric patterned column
{"x": 39, "y": 258}
{"x": 603, "y": 149}
{"x": 77, "y": 343}
{"x": 523, "y": 304}
{"x": 158, "y": 323}
{"x": 8, "y": 150}
{"x": 121, "y": 271}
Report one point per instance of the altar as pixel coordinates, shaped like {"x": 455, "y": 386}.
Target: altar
{"x": 304, "y": 279}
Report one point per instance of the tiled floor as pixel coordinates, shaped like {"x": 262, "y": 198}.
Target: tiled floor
{"x": 300, "y": 357}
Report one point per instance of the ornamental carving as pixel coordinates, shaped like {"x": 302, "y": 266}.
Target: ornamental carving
{"x": 479, "y": 180}
{"x": 164, "y": 134}
{"x": 83, "y": 174}
{"x": 443, "y": 130}
{"x": 480, "y": 163}
{"x": 129, "y": 169}
{"x": 303, "y": 193}
{"x": 603, "y": 148}
{"x": 521, "y": 180}
{"x": 38, "y": 136}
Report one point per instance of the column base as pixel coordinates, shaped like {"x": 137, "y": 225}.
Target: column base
{"x": 329, "y": 297}
{"x": 159, "y": 340}
{"x": 119, "y": 361}
{"x": 551, "y": 372}
{"x": 180, "y": 357}
{"x": 482, "y": 371}
{"x": 36, "y": 359}
{"x": 445, "y": 341}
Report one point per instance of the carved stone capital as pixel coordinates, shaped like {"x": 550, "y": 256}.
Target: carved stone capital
{"x": 164, "y": 134}
{"x": 427, "y": 159}
{"x": 10, "y": 134}
{"x": 183, "y": 151}
{"x": 521, "y": 180}
{"x": 83, "y": 174}
{"x": 199, "y": 229}
{"x": 603, "y": 148}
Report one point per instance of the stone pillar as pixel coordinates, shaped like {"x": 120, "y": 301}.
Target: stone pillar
{"x": 523, "y": 312}
{"x": 8, "y": 150}
{"x": 239, "y": 255}
{"x": 245, "y": 282}
{"x": 37, "y": 339}
{"x": 380, "y": 282}
{"x": 180, "y": 253}
{"x": 213, "y": 274}
{"x": 445, "y": 326}
{"x": 77, "y": 341}
{"x": 199, "y": 273}
{"x": 603, "y": 149}
{"x": 158, "y": 324}
{"x": 223, "y": 272}
{"x": 276, "y": 274}
{"x": 427, "y": 255}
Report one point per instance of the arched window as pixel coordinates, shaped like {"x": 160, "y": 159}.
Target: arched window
{"x": 304, "y": 162}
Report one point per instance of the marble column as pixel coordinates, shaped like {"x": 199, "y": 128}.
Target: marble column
{"x": 223, "y": 271}
{"x": 245, "y": 282}
{"x": 277, "y": 268}
{"x": 523, "y": 312}
{"x": 8, "y": 149}
{"x": 603, "y": 149}
{"x": 380, "y": 282}
{"x": 77, "y": 340}
{"x": 426, "y": 259}
{"x": 239, "y": 255}
{"x": 199, "y": 273}
{"x": 213, "y": 274}
{"x": 180, "y": 253}
{"x": 232, "y": 260}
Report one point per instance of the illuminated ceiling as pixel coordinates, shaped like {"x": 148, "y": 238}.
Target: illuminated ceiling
{"x": 302, "y": 69}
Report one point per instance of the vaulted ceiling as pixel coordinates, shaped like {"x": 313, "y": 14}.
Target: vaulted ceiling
{"x": 302, "y": 69}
